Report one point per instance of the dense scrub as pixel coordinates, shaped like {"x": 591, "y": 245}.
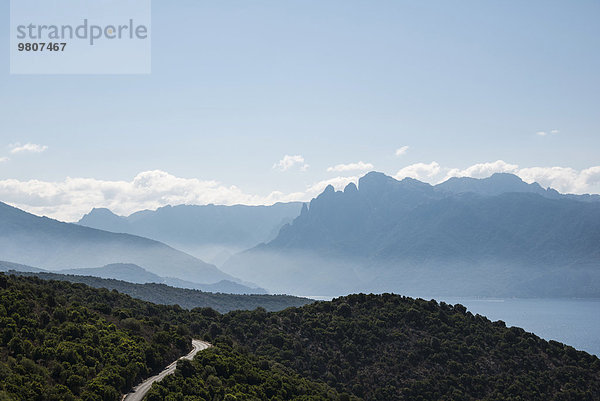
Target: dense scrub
{"x": 227, "y": 373}
{"x": 386, "y": 347}
{"x": 64, "y": 341}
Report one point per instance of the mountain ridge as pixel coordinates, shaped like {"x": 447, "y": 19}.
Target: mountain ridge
{"x": 210, "y": 232}
{"x": 50, "y": 244}
{"x": 403, "y": 236}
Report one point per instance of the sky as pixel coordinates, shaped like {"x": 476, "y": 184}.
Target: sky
{"x": 262, "y": 101}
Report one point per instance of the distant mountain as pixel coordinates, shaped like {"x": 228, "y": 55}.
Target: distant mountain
{"x": 135, "y": 274}
{"x": 497, "y": 184}
{"x": 493, "y": 237}
{"x": 210, "y": 232}
{"x": 8, "y": 266}
{"x": 118, "y": 271}
{"x": 53, "y": 245}
{"x": 502, "y": 183}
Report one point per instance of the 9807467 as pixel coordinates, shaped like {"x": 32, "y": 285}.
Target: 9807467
{"x": 41, "y": 46}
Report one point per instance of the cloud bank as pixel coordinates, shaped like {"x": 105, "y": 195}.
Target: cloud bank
{"x": 360, "y": 166}
{"x": 71, "y": 198}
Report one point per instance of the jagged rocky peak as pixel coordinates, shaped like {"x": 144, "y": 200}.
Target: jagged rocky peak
{"x": 304, "y": 209}
{"x": 350, "y": 188}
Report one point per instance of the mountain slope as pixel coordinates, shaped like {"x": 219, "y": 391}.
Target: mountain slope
{"x": 53, "y": 245}
{"x": 388, "y": 347}
{"x": 407, "y": 236}
{"x": 210, "y": 232}
{"x": 62, "y": 341}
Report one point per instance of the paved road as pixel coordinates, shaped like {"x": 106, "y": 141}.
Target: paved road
{"x": 138, "y": 392}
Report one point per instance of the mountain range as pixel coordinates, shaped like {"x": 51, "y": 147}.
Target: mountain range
{"x": 497, "y": 236}
{"x": 211, "y": 232}
{"x": 53, "y": 245}
{"x": 474, "y": 237}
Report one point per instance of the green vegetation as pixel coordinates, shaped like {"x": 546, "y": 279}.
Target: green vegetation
{"x": 64, "y": 341}
{"x": 226, "y": 373}
{"x": 387, "y": 347}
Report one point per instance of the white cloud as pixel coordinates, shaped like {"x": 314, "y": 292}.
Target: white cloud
{"x": 27, "y": 148}
{"x": 483, "y": 170}
{"x": 541, "y": 133}
{"x": 554, "y": 131}
{"x": 3, "y": 159}
{"x": 69, "y": 199}
{"x": 564, "y": 179}
{"x": 290, "y": 161}
{"x": 401, "y": 151}
{"x": 360, "y": 166}
{"x": 419, "y": 171}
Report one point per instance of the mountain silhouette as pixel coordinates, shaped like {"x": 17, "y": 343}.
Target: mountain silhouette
{"x": 492, "y": 237}
{"x": 209, "y": 232}
{"x": 49, "y": 244}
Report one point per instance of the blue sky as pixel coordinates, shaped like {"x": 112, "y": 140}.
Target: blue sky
{"x": 238, "y": 85}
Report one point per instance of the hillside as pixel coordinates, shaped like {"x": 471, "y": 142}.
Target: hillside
{"x": 410, "y": 237}
{"x": 389, "y": 347}
{"x": 210, "y": 232}
{"x": 64, "y": 341}
{"x": 61, "y": 341}
{"x": 52, "y": 245}
{"x": 185, "y": 298}
{"x": 68, "y": 341}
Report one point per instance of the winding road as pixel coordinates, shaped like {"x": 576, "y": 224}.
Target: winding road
{"x": 139, "y": 391}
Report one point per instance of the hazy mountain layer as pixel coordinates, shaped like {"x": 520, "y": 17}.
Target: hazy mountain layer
{"x": 410, "y": 237}
{"x": 184, "y": 297}
{"x": 210, "y": 232}
{"x": 135, "y": 274}
{"x": 53, "y": 245}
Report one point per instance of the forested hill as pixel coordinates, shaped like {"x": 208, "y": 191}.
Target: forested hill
{"x": 186, "y": 298}
{"x": 64, "y": 341}
{"x": 389, "y": 347}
